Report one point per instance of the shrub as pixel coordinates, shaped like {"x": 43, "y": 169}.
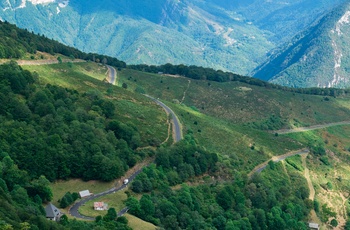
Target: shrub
{"x": 334, "y": 222}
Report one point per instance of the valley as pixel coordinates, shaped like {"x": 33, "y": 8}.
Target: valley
{"x": 201, "y": 148}
{"x": 189, "y": 115}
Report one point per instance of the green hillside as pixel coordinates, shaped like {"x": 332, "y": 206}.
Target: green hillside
{"x": 64, "y": 122}
{"x": 241, "y": 103}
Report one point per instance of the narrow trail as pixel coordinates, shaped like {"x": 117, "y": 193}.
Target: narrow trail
{"x": 312, "y": 216}
{"x": 313, "y": 127}
{"x": 184, "y": 96}
{"x": 308, "y": 179}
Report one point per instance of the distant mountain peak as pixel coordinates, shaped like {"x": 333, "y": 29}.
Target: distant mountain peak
{"x": 317, "y": 57}
{"x": 343, "y": 20}
{"x": 14, "y": 5}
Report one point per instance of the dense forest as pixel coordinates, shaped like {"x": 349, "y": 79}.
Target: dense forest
{"x": 67, "y": 134}
{"x": 15, "y": 43}
{"x": 49, "y": 133}
{"x": 242, "y": 203}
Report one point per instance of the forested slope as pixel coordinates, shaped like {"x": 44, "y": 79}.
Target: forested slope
{"x": 15, "y": 43}
{"x": 52, "y": 133}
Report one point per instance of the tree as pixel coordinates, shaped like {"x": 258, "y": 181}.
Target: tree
{"x": 59, "y": 59}
{"x": 124, "y": 85}
{"x": 219, "y": 222}
{"x": 122, "y": 220}
{"x": 134, "y": 206}
{"x": 41, "y": 187}
{"x": 347, "y": 225}
{"x": 147, "y": 206}
{"x": 63, "y": 202}
{"x": 111, "y": 215}
{"x": 334, "y": 222}
{"x": 108, "y": 108}
{"x": 170, "y": 222}
{"x": 224, "y": 199}
{"x": 137, "y": 186}
{"x": 64, "y": 220}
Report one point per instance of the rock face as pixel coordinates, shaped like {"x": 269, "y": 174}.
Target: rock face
{"x": 317, "y": 57}
{"x": 222, "y": 34}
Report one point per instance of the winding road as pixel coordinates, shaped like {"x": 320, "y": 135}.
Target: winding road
{"x": 112, "y": 73}
{"x": 74, "y": 210}
{"x": 177, "y": 135}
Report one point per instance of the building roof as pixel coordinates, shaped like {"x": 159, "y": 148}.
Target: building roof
{"x": 84, "y": 193}
{"x": 99, "y": 204}
{"x": 313, "y": 225}
{"x": 52, "y": 211}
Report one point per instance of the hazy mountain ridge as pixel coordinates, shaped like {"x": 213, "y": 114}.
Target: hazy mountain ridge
{"x": 225, "y": 35}
{"x": 316, "y": 57}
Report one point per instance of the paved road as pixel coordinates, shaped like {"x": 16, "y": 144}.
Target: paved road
{"x": 74, "y": 209}
{"x": 276, "y": 159}
{"x": 314, "y": 127}
{"x": 177, "y": 132}
{"x": 112, "y": 74}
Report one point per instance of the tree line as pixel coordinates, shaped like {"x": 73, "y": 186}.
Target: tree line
{"x": 202, "y": 73}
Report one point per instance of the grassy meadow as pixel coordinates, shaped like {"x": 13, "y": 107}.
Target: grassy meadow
{"x": 138, "y": 224}
{"x": 114, "y": 200}
{"x": 239, "y": 102}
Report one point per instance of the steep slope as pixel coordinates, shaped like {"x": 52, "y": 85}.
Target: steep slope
{"x": 318, "y": 57}
{"x": 90, "y": 129}
{"x": 285, "y": 18}
{"x": 222, "y": 34}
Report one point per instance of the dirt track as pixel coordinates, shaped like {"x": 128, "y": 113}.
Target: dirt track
{"x": 313, "y": 127}
{"x": 46, "y": 61}
{"x": 262, "y": 166}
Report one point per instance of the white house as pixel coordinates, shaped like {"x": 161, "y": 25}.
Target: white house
{"x": 314, "y": 226}
{"x": 84, "y": 193}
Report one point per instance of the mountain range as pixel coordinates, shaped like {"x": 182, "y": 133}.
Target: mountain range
{"x": 229, "y": 35}
{"x": 318, "y": 56}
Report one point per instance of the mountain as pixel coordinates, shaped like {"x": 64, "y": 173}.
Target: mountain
{"x": 63, "y": 121}
{"x": 227, "y": 35}
{"x": 317, "y": 57}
